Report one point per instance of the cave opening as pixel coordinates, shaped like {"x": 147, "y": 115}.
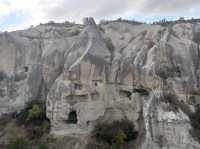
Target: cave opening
{"x": 72, "y": 117}
{"x": 141, "y": 91}
{"x": 26, "y": 68}
{"x": 126, "y": 94}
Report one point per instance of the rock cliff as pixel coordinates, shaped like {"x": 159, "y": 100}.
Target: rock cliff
{"x": 148, "y": 74}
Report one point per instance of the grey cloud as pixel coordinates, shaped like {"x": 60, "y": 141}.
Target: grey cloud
{"x": 171, "y": 7}
{"x": 79, "y": 8}
{"x": 75, "y": 10}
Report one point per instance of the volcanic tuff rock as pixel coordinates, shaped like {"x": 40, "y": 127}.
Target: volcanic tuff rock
{"x": 148, "y": 74}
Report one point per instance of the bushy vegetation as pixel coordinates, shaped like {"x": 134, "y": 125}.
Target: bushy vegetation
{"x": 164, "y": 71}
{"x": 19, "y": 143}
{"x": 42, "y": 146}
{"x": 34, "y": 113}
{"x": 33, "y": 117}
{"x": 116, "y": 133}
{"x": 28, "y": 129}
{"x": 25, "y": 143}
{"x": 195, "y": 122}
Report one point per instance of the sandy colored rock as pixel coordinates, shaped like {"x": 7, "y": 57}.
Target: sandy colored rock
{"x": 148, "y": 77}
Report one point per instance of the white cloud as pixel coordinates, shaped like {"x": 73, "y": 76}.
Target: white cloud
{"x": 172, "y": 7}
{"x": 74, "y": 10}
{"x": 77, "y": 9}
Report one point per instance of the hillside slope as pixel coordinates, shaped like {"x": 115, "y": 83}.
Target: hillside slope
{"x": 148, "y": 74}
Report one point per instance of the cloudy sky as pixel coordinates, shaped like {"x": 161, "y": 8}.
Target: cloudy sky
{"x": 20, "y": 14}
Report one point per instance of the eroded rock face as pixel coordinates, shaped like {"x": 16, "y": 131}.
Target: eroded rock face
{"x": 148, "y": 74}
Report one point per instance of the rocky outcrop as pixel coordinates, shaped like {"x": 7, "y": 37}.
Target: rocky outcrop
{"x": 148, "y": 74}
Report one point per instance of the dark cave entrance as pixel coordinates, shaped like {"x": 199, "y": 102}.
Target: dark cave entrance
{"x": 26, "y": 68}
{"x": 72, "y": 118}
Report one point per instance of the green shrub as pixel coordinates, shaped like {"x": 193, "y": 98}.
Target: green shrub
{"x": 165, "y": 71}
{"x": 103, "y": 132}
{"x": 115, "y": 146}
{"x": 117, "y": 132}
{"x": 195, "y": 123}
{"x": 119, "y": 138}
{"x": 19, "y": 143}
{"x": 42, "y": 146}
{"x": 34, "y": 113}
{"x": 33, "y": 116}
{"x": 45, "y": 125}
{"x": 35, "y": 132}
{"x": 128, "y": 128}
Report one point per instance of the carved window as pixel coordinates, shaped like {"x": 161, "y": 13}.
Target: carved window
{"x": 72, "y": 118}
{"x": 48, "y": 103}
{"x": 141, "y": 91}
{"x": 88, "y": 123}
{"x": 126, "y": 94}
{"x": 26, "y": 68}
{"x": 78, "y": 86}
{"x": 96, "y": 82}
{"x": 178, "y": 71}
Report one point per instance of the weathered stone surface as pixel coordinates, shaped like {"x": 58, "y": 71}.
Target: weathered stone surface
{"x": 151, "y": 77}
